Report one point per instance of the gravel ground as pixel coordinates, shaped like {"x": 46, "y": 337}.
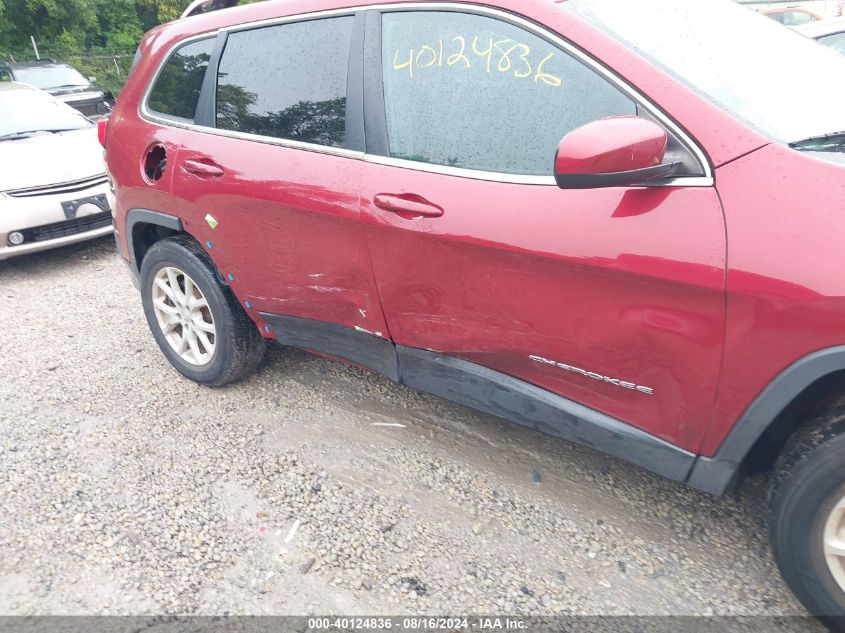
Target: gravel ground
{"x": 128, "y": 490}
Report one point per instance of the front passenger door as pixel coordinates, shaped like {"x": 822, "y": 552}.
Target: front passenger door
{"x": 479, "y": 255}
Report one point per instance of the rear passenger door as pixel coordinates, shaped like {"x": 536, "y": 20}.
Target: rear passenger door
{"x": 269, "y": 175}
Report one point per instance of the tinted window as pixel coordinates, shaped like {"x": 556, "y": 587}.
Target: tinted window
{"x": 470, "y": 91}
{"x": 287, "y": 81}
{"x": 835, "y": 41}
{"x": 177, "y": 89}
{"x": 794, "y": 18}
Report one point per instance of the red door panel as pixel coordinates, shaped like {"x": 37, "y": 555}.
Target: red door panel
{"x": 618, "y": 286}
{"x": 288, "y": 227}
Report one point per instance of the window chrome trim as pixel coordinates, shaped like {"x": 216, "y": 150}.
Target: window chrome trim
{"x": 283, "y": 142}
{"x": 158, "y": 117}
{"x": 707, "y": 180}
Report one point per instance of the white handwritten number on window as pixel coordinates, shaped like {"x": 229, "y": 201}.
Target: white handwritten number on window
{"x": 504, "y": 56}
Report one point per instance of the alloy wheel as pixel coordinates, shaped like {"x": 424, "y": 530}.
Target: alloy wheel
{"x": 184, "y": 316}
{"x": 834, "y": 542}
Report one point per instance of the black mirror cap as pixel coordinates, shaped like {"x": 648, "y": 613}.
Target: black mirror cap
{"x": 633, "y": 178}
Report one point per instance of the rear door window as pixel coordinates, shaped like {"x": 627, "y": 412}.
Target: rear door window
{"x": 287, "y": 81}
{"x": 474, "y": 92}
{"x": 177, "y": 88}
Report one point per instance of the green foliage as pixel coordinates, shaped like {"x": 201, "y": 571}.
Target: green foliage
{"x": 97, "y": 37}
{"x": 81, "y": 24}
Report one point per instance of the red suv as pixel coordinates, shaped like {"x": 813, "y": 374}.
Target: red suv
{"x": 610, "y": 221}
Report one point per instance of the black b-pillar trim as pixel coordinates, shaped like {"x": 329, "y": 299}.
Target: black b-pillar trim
{"x": 205, "y": 114}
{"x": 375, "y": 121}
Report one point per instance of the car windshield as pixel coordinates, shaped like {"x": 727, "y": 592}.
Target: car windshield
{"x": 46, "y": 77}
{"x": 24, "y": 111}
{"x": 779, "y": 82}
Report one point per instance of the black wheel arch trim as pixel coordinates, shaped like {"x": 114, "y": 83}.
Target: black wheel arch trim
{"x": 145, "y": 216}
{"x": 718, "y": 474}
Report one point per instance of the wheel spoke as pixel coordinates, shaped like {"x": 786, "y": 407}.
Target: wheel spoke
{"x": 197, "y": 304}
{"x": 834, "y": 547}
{"x": 173, "y": 280}
{"x": 163, "y": 307}
{"x": 203, "y": 338}
{"x": 183, "y": 342}
{"x": 165, "y": 288}
{"x": 201, "y": 325}
{"x": 189, "y": 290}
{"x": 192, "y": 343}
{"x": 171, "y": 325}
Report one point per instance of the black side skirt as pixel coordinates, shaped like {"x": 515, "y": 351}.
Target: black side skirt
{"x": 487, "y": 391}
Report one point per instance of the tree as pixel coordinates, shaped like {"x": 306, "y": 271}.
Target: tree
{"x": 82, "y": 24}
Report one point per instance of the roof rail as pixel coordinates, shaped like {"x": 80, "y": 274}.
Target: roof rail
{"x": 205, "y": 6}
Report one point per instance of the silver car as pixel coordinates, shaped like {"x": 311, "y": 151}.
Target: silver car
{"x": 53, "y": 184}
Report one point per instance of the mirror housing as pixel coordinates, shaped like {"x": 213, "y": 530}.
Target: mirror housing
{"x": 92, "y": 80}
{"x": 619, "y": 151}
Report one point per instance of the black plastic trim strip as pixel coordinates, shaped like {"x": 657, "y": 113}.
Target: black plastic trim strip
{"x": 633, "y": 178}
{"x": 355, "y": 127}
{"x": 145, "y": 216}
{"x": 356, "y": 347}
{"x": 717, "y": 474}
{"x": 488, "y": 391}
{"x": 506, "y": 397}
{"x": 375, "y": 121}
{"x": 207, "y": 104}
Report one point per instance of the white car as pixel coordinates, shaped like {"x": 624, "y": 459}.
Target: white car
{"x": 53, "y": 184}
{"x": 830, "y": 33}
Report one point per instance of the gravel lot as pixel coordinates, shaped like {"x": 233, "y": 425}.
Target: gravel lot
{"x": 127, "y": 489}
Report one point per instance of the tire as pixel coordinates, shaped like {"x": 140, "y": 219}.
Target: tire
{"x": 234, "y": 348}
{"x": 808, "y": 485}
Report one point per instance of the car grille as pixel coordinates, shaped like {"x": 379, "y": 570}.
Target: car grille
{"x": 64, "y": 187}
{"x": 66, "y": 228}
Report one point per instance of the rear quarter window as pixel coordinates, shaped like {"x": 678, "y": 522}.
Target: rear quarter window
{"x": 176, "y": 91}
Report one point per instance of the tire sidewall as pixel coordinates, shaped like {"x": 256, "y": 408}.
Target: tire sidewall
{"x": 170, "y": 253}
{"x": 800, "y": 514}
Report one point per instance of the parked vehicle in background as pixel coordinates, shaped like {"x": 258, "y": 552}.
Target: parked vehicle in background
{"x": 831, "y": 33}
{"x": 535, "y": 225}
{"x": 53, "y": 186}
{"x": 63, "y": 82}
{"x": 198, "y": 7}
{"x": 791, "y": 16}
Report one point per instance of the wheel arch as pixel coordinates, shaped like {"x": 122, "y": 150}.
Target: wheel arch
{"x": 757, "y": 438}
{"x": 145, "y": 227}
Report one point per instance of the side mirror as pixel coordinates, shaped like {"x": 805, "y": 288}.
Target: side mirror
{"x": 92, "y": 80}
{"x": 620, "y": 151}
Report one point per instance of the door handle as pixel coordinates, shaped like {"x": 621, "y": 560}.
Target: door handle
{"x": 199, "y": 168}
{"x": 407, "y": 205}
